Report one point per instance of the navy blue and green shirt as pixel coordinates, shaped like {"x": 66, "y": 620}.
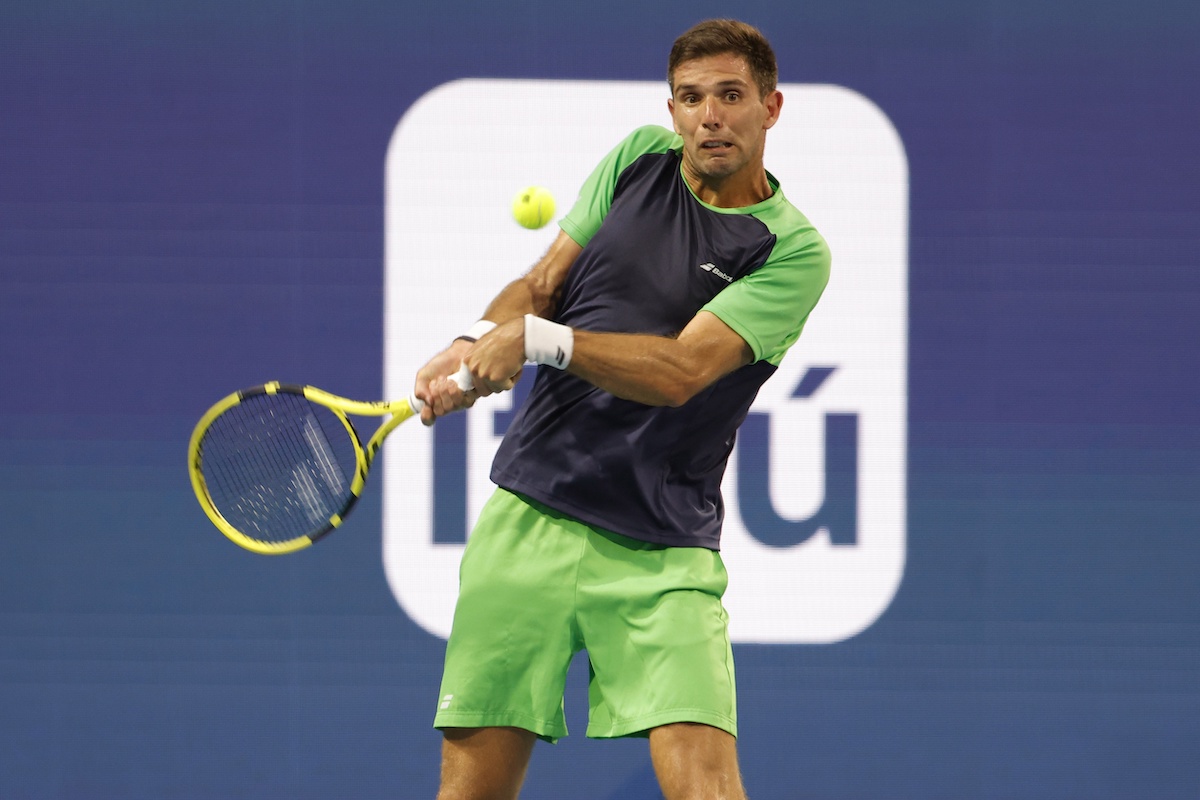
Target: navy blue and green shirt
{"x": 653, "y": 256}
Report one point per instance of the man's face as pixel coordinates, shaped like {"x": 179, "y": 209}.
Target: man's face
{"x": 717, "y": 110}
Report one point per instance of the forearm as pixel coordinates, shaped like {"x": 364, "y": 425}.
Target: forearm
{"x": 490, "y": 351}
{"x": 654, "y": 370}
{"x": 538, "y": 291}
{"x": 519, "y": 298}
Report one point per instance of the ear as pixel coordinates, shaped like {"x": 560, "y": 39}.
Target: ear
{"x": 671, "y": 111}
{"x": 774, "y": 104}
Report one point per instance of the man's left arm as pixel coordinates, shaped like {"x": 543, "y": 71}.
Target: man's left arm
{"x": 654, "y": 370}
{"x": 658, "y": 370}
{"x": 758, "y": 317}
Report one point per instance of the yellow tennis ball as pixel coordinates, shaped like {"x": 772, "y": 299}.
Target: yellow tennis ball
{"x": 533, "y": 207}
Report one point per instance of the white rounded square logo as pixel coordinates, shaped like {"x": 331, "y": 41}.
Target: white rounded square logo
{"x": 814, "y": 534}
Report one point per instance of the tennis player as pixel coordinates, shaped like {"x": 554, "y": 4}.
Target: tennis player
{"x": 679, "y": 280}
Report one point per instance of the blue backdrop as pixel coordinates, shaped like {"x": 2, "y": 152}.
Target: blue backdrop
{"x": 191, "y": 201}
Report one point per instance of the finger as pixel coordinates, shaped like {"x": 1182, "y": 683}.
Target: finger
{"x": 497, "y": 386}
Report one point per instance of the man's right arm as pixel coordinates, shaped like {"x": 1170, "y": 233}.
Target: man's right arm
{"x": 536, "y": 292}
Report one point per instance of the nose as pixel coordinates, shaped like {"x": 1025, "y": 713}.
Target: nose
{"x": 711, "y": 116}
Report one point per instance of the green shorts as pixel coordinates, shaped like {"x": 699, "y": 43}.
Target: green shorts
{"x": 536, "y": 587}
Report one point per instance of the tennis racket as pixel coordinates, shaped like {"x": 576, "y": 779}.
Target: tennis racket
{"x": 278, "y": 466}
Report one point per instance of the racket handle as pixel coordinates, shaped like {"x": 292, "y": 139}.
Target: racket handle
{"x": 462, "y": 378}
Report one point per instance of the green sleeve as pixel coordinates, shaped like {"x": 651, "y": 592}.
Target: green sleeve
{"x": 596, "y": 195}
{"x": 769, "y": 307}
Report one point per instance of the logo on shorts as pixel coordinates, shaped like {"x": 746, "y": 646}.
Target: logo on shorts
{"x": 815, "y": 493}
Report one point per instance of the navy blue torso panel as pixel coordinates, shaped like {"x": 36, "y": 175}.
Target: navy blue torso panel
{"x": 650, "y": 473}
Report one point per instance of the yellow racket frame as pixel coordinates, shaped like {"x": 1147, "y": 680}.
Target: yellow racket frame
{"x": 399, "y": 410}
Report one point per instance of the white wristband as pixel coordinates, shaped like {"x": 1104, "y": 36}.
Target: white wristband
{"x": 548, "y": 342}
{"x": 476, "y": 331}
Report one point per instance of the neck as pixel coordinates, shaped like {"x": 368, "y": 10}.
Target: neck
{"x": 733, "y": 191}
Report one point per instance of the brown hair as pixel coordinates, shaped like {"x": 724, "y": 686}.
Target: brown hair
{"x": 716, "y": 37}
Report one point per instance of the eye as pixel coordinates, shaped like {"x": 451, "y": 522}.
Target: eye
{"x": 732, "y": 97}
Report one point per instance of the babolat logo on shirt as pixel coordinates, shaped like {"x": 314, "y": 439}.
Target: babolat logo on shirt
{"x": 815, "y": 490}
{"x": 711, "y": 267}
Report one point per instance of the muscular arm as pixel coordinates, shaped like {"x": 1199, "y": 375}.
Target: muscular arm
{"x": 535, "y": 292}
{"x": 656, "y": 370}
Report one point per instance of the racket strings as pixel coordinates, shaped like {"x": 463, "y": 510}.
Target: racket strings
{"x": 278, "y": 467}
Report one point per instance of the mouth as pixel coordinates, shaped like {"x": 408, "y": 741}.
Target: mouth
{"x": 716, "y": 146}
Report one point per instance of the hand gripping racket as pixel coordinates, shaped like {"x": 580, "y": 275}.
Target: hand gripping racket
{"x": 278, "y": 466}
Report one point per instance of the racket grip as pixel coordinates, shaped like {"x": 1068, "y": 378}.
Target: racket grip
{"x": 462, "y": 378}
